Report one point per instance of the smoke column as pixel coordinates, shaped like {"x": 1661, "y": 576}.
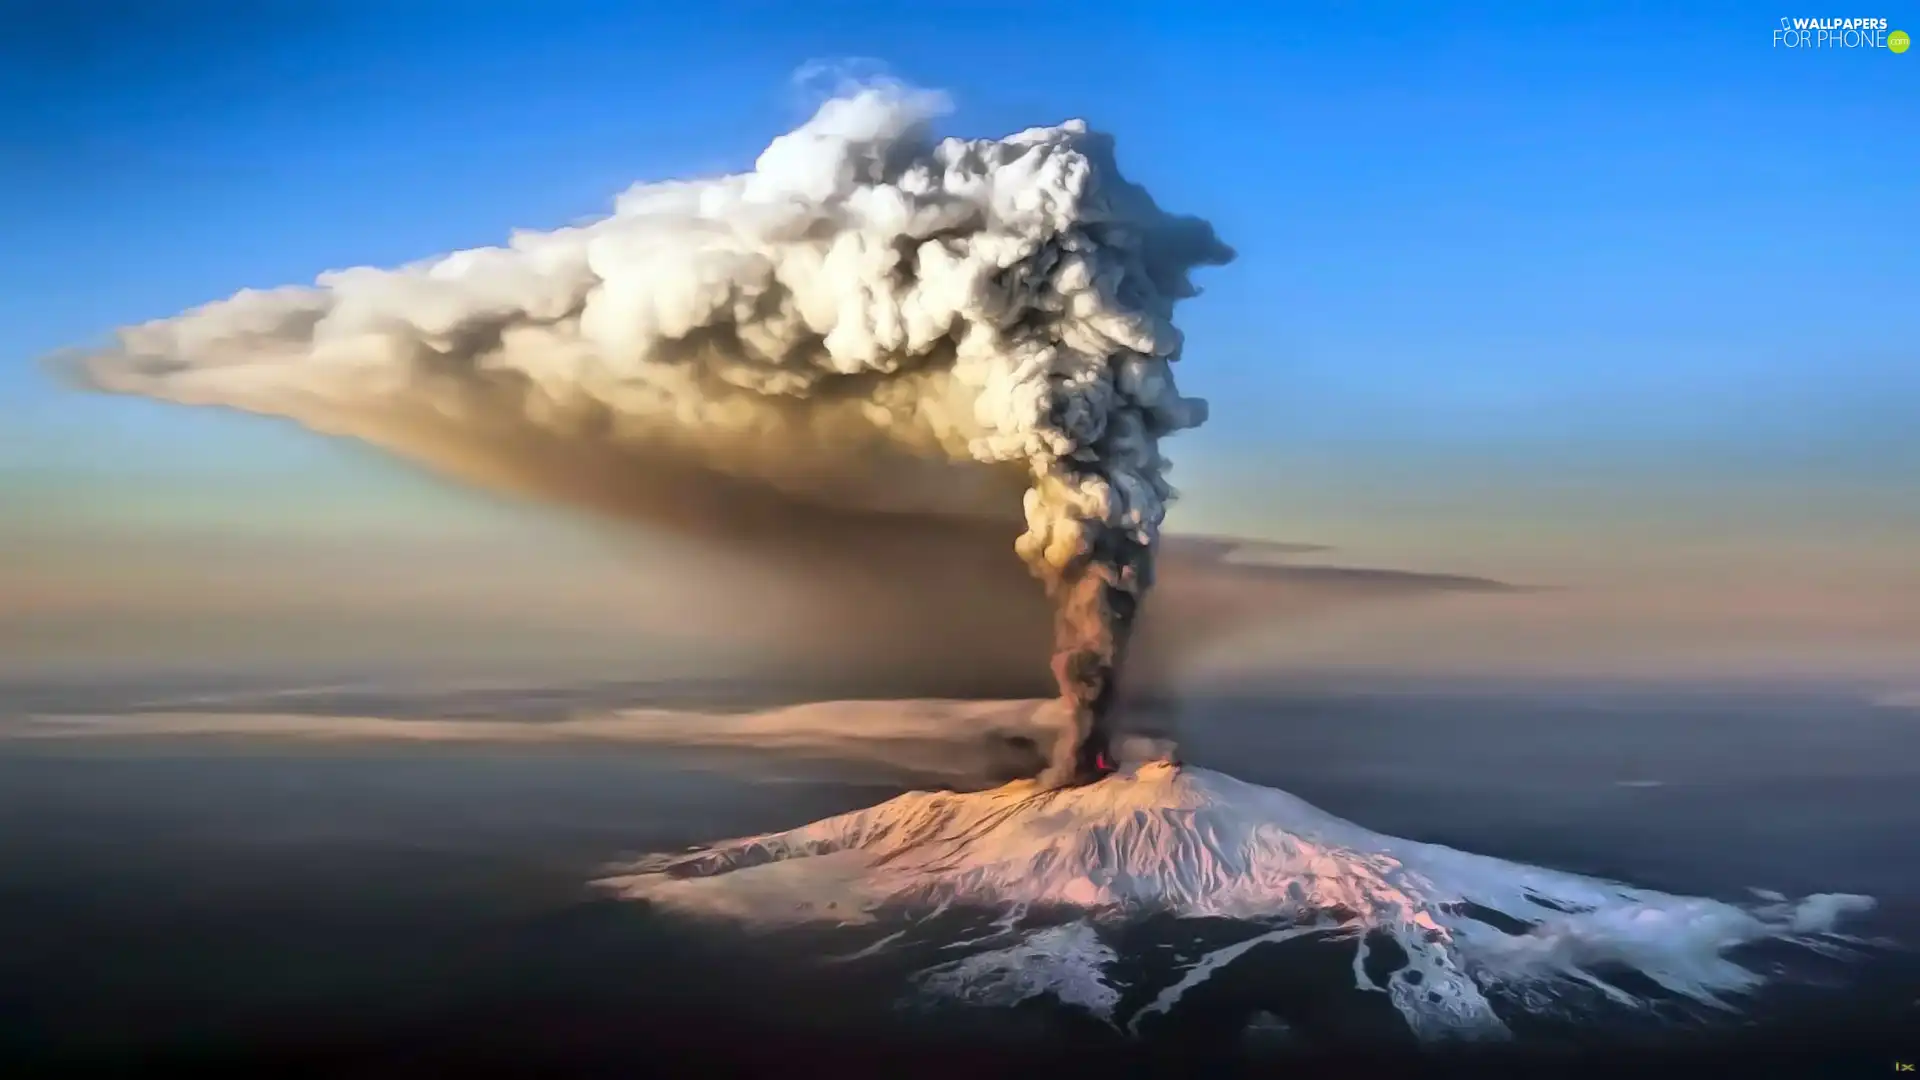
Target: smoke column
{"x": 873, "y": 332}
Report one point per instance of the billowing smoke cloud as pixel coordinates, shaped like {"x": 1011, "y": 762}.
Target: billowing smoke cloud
{"x": 870, "y": 331}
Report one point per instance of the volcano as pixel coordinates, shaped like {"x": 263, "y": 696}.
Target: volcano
{"x": 1063, "y": 868}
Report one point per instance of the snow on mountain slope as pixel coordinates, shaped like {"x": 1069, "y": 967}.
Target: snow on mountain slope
{"x": 1189, "y": 842}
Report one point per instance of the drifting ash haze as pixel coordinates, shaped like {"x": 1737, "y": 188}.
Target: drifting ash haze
{"x": 867, "y": 338}
{"x": 962, "y": 743}
{"x": 1062, "y": 865}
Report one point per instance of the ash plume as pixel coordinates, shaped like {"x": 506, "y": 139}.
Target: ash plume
{"x": 871, "y": 332}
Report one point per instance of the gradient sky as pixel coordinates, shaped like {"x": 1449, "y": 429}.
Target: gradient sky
{"x": 1606, "y": 295}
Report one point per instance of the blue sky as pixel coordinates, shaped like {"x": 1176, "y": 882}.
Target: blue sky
{"x": 1502, "y": 265}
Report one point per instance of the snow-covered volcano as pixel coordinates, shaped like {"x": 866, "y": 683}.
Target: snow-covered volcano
{"x": 1160, "y": 839}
